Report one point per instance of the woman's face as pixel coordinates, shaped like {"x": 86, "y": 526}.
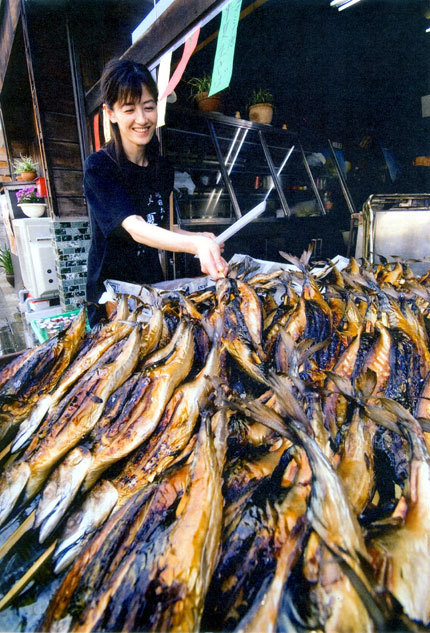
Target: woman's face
{"x": 136, "y": 122}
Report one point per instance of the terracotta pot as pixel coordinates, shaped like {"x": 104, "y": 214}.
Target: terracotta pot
{"x": 10, "y": 278}
{"x": 208, "y": 104}
{"x": 261, "y": 113}
{"x": 28, "y": 175}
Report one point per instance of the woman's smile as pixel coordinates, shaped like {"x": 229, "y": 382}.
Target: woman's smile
{"x": 137, "y": 123}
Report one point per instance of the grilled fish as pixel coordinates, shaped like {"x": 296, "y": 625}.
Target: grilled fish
{"x": 81, "y": 416}
{"x": 109, "y": 333}
{"x": 39, "y": 374}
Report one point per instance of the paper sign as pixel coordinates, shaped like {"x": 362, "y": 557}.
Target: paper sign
{"x": 189, "y": 46}
{"x": 223, "y": 63}
{"x": 106, "y": 126}
{"x": 163, "y": 80}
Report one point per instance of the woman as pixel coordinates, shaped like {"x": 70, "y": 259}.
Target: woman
{"x": 128, "y": 188}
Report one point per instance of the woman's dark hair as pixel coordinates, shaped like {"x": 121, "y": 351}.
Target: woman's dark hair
{"x": 121, "y": 82}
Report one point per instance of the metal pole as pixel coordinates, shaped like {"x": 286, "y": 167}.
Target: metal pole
{"x": 313, "y": 183}
{"x": 342, "y": 179}
{"x": 274, "y": 175}
{"x": 224, "y": 172}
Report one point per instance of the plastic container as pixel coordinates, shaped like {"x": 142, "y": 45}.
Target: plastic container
{"x": 47, "y": 327}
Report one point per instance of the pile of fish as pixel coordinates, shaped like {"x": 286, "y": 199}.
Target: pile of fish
{"x": 250, "y": 457}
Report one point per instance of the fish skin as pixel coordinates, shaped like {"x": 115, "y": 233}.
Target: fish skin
{"x": 291, "y": 531}
{"x": 12, "y": 483}
{"x": 156, "y": 395}
{"x": 123, "y": 436}
{"x": 293, "y": 323}
{"x": 18, "y": 384}
{"x": 329, "y": 512}
{"x": 9, "y": 370}
{"x": 72, "y": 342}
{"x": 60, "y": 490}
{"x": 378, "y": 359}
{"x": 391, "y": 276}
{"x": 95, "y": 510}
{"x": 173, "y": 431}
{"x": 337, "y": 607}
{"x": 262, "y": 616}
{"x": 243, "y": 476}
{"x": 356, "y": 467}
{"x": 422, "y": 409}
{"x": 251, "y": 308}
{"x": 160, "y": 355}
{"x": 274, "y": 322}
{"x": 113, "y": 585}
{"x": 57, "y": 355}
{"x": 55, "y": 413}
{"x": 14, "y": 407}
{"x": 32, "y": 422}
{"x": 235, "y": 334}
{"x": 83, "y": 418}
{"x": 83, "y": 413}
{"x": 196, "y": 532}
{"x": 403, "y": 555}
{"x": 412, "y": 327}
{"x": 92, "y": 556}
{"x": 244, "y": 356}
{"x": 152, "y": 333}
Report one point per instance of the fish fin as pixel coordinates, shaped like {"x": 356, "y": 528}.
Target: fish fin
{"x": 342, "y": 384}
{"x": 365, "y": 384}
{"x": 382, "y": 417}
{"x": 288, "y": 402}
{"x": 425, "y": 424}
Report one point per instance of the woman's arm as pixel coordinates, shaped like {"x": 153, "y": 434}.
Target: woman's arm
{"x": 206, "y": 249}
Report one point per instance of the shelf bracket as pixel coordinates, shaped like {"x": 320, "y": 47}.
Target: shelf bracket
{"x": 313, "y": 183}
{"x": 224, "y": 171}
{"x": 342, "y": 180}
{"x": 274, "y": 174}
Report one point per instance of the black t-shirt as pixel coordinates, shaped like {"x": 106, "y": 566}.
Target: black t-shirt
{"x": 113, "y": 193}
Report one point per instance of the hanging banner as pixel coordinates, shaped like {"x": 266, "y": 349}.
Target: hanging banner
{"x": 223, "y": 63}
{"x": 163, "y": 80}
{"x": 106, "y": 126}
{"x": 189, "y": 47}
{"x": 96, "y": 121}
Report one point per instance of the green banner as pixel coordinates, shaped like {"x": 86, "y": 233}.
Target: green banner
{"x": 223, "y": 63}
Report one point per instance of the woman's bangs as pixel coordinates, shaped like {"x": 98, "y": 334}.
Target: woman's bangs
{"x": 130, "y": 93}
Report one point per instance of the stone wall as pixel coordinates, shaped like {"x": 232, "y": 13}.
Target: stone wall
{"x": 71, "y": 239}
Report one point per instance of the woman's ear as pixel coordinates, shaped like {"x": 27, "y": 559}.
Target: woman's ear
{"x": 110, "y": 113}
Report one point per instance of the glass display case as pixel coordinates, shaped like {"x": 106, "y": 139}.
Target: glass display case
{"x": 225, "y": 166}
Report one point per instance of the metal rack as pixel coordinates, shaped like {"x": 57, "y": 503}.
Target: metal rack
{"x": 232, "y": 148}
{"x": 396, "y": 226}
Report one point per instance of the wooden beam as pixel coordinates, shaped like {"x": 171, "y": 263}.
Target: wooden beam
{"x": 179, "y": 19}
{"x": 9, "y": 21}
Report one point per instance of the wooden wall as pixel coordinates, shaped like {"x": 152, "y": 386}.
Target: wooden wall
{"x": 10, "y": 13}
{"x": 47, "y": 32}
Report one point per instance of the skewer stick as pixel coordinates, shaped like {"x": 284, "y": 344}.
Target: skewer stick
{"x": 19, "y": 532}
{"x": 5, "y": 451}
{"x": 11, "y": 459}
{"x": 24, "y": 580}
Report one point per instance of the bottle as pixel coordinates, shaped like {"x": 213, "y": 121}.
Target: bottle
{"x": 327, "y": 201}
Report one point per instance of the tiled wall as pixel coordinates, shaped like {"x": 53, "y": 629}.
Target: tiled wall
{"x": 71, "y": 243}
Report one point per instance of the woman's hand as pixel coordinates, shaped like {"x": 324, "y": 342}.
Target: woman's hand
{"x": 212, "y": 237}
{"x": 209, "y": 254}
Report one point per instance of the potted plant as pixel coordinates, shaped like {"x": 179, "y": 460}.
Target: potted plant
{"x": 25, "y": 167}
{"x": 32, "y": 206}
{"x": 6, "y": 264}
{"x": 200, "y": 87}
{"x": 260, "y": 106}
